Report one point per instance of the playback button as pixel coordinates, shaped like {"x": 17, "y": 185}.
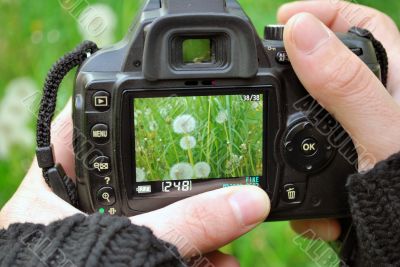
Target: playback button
{"x": 101, "y": 101}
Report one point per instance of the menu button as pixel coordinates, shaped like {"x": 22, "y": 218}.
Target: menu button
{"x": 100, "y": 133}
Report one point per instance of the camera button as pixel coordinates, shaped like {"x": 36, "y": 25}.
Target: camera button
{"x": 282, "y": 58}
{"x": 101, "y": 165}
{"x": 100, "y": 134}
{"x": 291, "y": 193}
{"x": 309, "y": 147}
{"x": 101, "y": 101}
{"x": 106, "y": 196}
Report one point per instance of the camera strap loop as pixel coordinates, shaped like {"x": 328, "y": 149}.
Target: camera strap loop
{"x": 54, "y": 175}
{"x": 380, "y": 51}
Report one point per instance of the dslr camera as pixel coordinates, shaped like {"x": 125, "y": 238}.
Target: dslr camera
{"x": 193, "y": 100}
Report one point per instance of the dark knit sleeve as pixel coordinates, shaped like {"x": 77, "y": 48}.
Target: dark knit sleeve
{"x": 95, "y": 240}
{"x": 375, "y": 207}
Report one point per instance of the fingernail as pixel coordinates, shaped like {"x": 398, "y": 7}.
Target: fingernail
{"x": 250, "y": 205}
{"x": 308, "y": 33}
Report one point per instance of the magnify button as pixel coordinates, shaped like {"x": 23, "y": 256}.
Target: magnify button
{"x": 106, "y": 196}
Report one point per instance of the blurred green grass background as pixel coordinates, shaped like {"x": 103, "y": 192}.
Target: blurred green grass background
{"x": 34, "y": 34}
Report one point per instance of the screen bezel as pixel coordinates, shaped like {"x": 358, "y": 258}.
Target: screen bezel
{"x": 144, "y": 203}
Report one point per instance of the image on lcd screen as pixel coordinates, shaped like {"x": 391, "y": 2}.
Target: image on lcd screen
{"x": 198, "y": 137}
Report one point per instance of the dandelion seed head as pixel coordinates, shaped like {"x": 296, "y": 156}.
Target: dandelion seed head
{"x": 20, "y": 88}
{"x": 181, "y": 171}
{"x": 184, "y": 124}
{"x": 243, "y": 148}
{"x": 222, "y": 117}
{"x": 256, "y": 104}
{"x": 202, "y": 170}
{"x": 140, "y": 175}
{"x": 164, "y": 112}
{"x": 147, "y": 112}
{"x": 97, "y": 23}
{"x": 187, "y": 142}
{"x": 153, "y": 126}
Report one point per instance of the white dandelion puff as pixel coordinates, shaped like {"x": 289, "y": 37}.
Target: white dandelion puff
{"x": 164, "y": 112}
{"x": 147, "y": 112}
{"x": 6, "y": 135}
{"x": 140, "y": 175}
{"x": 23, "y": 137}
{"x": 18, "y": 101}
{"x": 181, "y": 171}
{"x": 4, "y": 148}
{"x": 243, "y": 148}
{"x": 202, "y": 170}
{"x": 222, "y": 117}
{"x": 97, "y": 23}
{"x": 184, "y": 124}
{"x": 20, "y": 89}
{"x": 256, "y": 104}
{"x": 15, "y": 115}
{"x": 153, "y": 126}
{"x": 187, "y": 142}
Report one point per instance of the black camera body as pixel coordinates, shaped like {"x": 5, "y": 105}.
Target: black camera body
{"x": 193, "y": 100}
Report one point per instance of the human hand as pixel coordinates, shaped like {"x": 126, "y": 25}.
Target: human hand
{"x": 197, "y": 226}
{"x": 342, "y": 83}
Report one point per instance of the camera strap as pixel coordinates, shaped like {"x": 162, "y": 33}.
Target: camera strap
{"x": 349, "y": 250}
{"x": 53, "y": 173}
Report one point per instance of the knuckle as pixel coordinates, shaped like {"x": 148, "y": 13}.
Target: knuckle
{"x": 384, "y": 18}
{"x": 348, "y": 78}
{"x": 376, "y": 20}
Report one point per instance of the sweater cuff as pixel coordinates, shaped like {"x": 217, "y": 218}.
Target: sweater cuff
{"x": 374, "y": 199}
{"x": 96, "y": 240}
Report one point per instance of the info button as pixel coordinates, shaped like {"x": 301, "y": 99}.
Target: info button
{"x": 309, "y": 147}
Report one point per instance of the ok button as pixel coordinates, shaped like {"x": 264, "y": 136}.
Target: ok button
{"x": 309, "y": 147}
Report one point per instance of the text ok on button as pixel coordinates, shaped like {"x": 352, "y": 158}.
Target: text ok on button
{"x": 309, "y": 146}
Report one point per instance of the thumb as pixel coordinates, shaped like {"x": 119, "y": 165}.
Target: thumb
{"x": 344, "y": 86}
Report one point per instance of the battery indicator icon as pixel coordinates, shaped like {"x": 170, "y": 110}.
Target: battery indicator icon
{"x": 143, "y": 189}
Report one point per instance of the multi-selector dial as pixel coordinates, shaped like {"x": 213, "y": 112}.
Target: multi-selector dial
{"x": 306, "y": 149}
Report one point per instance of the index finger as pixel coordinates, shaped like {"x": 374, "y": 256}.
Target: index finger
{"x": 340, "y": 16}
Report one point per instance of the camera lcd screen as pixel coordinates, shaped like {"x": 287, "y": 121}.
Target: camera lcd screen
{"x": 182, "y": 141}
{"x": 197, "y": 51}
